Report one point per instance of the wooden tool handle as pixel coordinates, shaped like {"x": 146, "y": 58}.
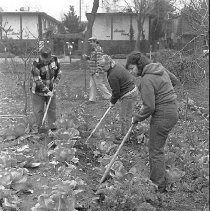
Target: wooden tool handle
{"x": 98, "y": 124}
{"x": 116, "y": 154}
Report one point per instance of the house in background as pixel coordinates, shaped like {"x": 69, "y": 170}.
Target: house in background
{"x": 117, "y": 31}
{"x": 26, "y": 28}
{"x": 24, "y": 25}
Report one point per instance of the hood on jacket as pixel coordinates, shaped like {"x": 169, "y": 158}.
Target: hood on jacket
{"x": 154, "y": 69}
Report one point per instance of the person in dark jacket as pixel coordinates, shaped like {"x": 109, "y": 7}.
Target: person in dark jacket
{"x": 45, "y": 73}
{"x": 123, "y": 89}
{"x": 159, "y": 102}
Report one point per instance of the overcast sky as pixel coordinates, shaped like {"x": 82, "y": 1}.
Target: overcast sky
{"x": 51, "y": 7}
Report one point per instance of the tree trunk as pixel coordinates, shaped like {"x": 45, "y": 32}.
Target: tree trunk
{"x": 140, "y": 28}
{"x": 25, "y": 88}
{"x": 90, "y": 24}
{"x": 140, "y": 23}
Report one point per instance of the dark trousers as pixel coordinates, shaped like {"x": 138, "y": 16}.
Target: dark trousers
{"x": 162, "y": 121}
{"x": 39, "y": 103}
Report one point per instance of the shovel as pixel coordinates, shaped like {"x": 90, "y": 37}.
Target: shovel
{"x": 115, "y": 155}
{"x": 98, "y": 124}
{"x": 42, "y": 128}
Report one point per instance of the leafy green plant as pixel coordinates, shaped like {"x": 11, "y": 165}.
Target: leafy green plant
{"x": 12, "y": 181}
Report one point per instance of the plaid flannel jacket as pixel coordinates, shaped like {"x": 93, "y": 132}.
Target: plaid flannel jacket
{"x": 43, "y": 75}
{"x": 95, "y": 56}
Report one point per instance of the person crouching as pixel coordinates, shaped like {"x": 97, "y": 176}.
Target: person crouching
{"x": 123, "y": 89}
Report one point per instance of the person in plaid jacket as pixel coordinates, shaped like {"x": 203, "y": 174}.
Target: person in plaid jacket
{"x": 96, "y": 73}
{"x": 45, "y": 73}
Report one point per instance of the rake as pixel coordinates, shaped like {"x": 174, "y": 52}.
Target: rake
{"x": 42, "y": 128}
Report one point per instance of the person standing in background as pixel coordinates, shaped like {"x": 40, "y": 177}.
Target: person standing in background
{"x": 96, "y": 74}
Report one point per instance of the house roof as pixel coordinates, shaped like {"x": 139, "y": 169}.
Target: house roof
{"x": 31, "y": 13}
{"x": 115, "y": 14}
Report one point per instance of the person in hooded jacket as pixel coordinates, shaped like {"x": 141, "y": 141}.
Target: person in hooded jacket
{"x": 160, "y": 102}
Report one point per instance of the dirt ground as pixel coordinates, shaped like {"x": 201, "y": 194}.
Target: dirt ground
{"x": 72, "y": 92}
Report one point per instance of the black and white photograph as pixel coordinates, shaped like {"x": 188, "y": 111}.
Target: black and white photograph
{"x": 104, "y": 105}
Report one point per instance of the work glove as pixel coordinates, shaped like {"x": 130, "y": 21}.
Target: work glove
{"x": 97, "y": 74}
{"x": 56, "y": 81}
{"x": 84, "y": 56}
{"x": 111, "y": 105}
{"x": 135, "y": 120}
{"x": 50, "y": 93}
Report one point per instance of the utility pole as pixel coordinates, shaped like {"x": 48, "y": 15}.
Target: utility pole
{"x": 80, "y": 10}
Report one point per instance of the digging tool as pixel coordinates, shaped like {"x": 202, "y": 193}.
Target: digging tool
{"x": 42, "y": 128}
{"x": 115, "y": 155}
{"x": 98, "y": 124}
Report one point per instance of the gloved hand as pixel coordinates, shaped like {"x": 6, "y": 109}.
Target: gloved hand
{"x": 111, "y": 105}
{"x": 50, "y": 93}
{"x": 84, "y": 56}
{"x": 56, "y": 81}
{"x": 135, "y": 120}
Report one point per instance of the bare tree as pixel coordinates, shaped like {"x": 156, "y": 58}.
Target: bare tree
{"x": 6, "y": 29}
{"x": 91, "y": 20}
{"x": 196, "y": 13}
{"x": 142, "y": 8}
{"x": 23, "y": 77}
{"x": 88, "y": 34}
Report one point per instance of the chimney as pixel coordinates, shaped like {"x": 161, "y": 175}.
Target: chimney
{"x": 26, "y": 9}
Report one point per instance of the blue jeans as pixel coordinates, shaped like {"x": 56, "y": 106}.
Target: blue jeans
{"x": 39, "y": 103}
{"x": 162, "y": 121}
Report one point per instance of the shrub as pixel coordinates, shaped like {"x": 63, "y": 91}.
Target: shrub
{"x": 8, "y": 55}
{"x": 20, "y": 47}
{"x": 117, "y": 46}
{"x": 189, "y": 69}
{"x": 117, "y": 50}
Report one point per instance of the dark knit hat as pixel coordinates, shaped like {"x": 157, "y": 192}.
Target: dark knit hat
{"x": 45, "y": 53}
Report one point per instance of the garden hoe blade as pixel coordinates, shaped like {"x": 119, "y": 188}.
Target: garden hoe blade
{"x": 42, "y": 128}
{"x": 115, "y": 155}
{"x": 98, "y": 124}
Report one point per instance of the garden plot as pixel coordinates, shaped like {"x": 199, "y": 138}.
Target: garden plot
{"x": 59, "y": 172}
